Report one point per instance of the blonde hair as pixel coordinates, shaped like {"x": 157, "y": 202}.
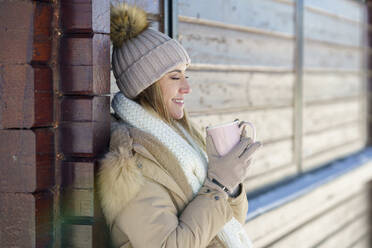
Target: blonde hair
{"x": 152, "y": 97}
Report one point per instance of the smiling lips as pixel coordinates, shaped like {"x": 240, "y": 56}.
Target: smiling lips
{"x": 178, "y": 101}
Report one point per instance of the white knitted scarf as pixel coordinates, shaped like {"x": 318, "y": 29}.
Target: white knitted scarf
{"x": 192, "y": 158}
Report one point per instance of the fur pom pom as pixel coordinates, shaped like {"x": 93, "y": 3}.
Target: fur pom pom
{"x": 126, "y": 22}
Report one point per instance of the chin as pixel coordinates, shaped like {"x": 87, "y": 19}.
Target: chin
{"x": 177, "y": 116}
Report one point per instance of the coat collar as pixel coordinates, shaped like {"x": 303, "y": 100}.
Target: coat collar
{"x": 165, "y": 168}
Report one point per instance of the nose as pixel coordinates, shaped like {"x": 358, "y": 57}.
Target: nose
{"x": 185, "y": 87}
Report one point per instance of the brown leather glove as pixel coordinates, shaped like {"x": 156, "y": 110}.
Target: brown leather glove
{"x": 226, "y": 172}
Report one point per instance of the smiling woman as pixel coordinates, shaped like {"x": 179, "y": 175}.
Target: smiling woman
{"x": 157, "y": 185}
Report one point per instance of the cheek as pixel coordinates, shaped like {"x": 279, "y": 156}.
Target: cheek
{"x": 169, "y": 93}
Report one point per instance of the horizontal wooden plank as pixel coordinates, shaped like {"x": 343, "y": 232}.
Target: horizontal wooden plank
{"x": 272, "y": 156}
{"x": 94, "y": 235}
{"x": 77, "y": 236}
{"x": 325, "y": 116}
{"x": 328, "y": 222}
{"x": 333, "y": 153}
{"x": 26, "y": 99}
{"x": 86, "y": 51}
{"x": 84, "y": 139}
{"x": 271, "y": 124}
{"x": 78, "y": 175}
{"x": 212, "y": 45}
{"x": 77, "y": 202}
{"x": 26, "y": 220}
{"x": 320, "y": 142}
{"x": 90, "y": 80}
{"x": 266, "y": 15}
{"x": 328, "y": 86}
{"x": 219, "y": 90}
{"x": 85, "y": 108}
{"x": 27, "y": 160}
{"x": 326, "y": 28}
{"x": 363, "y": 242}
{"x": 348, "y": 235}
{"x": 347, "y": 9}
{"x": 320, "y": 55}
{"x": 290, "y": 216}
{"x": 85, "y": 16}
{"x": 280, "y": 173}
{"x": 27, "y": 38}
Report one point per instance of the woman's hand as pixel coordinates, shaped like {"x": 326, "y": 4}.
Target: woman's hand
{"x": 228, "y": 171}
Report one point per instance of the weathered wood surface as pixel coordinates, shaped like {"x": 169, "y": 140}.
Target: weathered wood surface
{"x": 78, "y": 186}
{"x": 26, "y": 98}
{"x": 25, "y": 36}
{"x": 320, "y": 55}
{"x": 320, "y": 227}
{"x": 349, "y": 234}
{"x": 222, "y": 90}
{"x": 78, "y": 175}
{"x": 327, "y": 28}
{"x": 289, "y": 217}
{"x": 326, "y": 116}
{"x": 26, "y": 220}
{"x": 255, "y": 182}
{"x": 363, "y": 242}
{"x": 85, "y": 65}
{"x": 352, "y": 10}
{"x": 89, "y": 79}
{"x": 271, "y": 156}
{"x": 265, "y": 15}
{"x": 331, "y": 86}
{"x": 77, "y": 236}
{"x": 324, "y": 140}
{"x": 85, "y": 108}
{"x": 78, "y": 202}
{"x": 85, "y": 235}
{"x": 333, "y": 153}
{"x": 271, "y": 124}
{"x": 212, "y": 45}
{"x": 84, "y": 139}
{"x": 86, "y": 51}
{"x": 27, "y": 160}
{"x": 85, "y": 16}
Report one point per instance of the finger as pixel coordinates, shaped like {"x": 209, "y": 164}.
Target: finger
{"x": 241, "y": 146}
{"x": 244, "y": 133}
{"x": 250, "y": 150}
{"x": 245, "y": 170}
{"x": 211, "y": 148}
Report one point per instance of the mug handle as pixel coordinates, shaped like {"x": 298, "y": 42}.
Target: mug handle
{"x": 244, "y": 124}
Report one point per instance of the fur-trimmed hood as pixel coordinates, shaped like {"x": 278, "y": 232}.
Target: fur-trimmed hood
{"x": 135, "y": 157}
{"x": 119, "y": 178}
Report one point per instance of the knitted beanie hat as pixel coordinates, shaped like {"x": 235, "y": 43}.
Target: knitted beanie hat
{"x": 141, "y": 55}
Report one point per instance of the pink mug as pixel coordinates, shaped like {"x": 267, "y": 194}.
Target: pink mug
{"x": 226, "y": 136}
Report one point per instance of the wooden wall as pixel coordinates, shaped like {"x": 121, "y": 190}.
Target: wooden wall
{"x": 243, "y": 66}
{"x": 83, "y": 118}
{"x": 54, "y": 121}
{"x": 334, "y": 80}
{"x": 244, "y": 61}
{"x": 26, "y": 124}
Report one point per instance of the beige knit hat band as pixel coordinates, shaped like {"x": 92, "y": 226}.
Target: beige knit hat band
{"x": 151, "y": 67}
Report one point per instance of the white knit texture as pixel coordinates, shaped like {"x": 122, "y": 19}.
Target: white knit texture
{"x": 192, "y": 158}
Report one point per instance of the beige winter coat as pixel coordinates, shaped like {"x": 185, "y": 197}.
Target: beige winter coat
{"x": 147, "y": 201}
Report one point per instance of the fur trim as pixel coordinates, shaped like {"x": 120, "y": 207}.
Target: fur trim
{"x": 119, "y": 181}
{"x": 126, "y": 22}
